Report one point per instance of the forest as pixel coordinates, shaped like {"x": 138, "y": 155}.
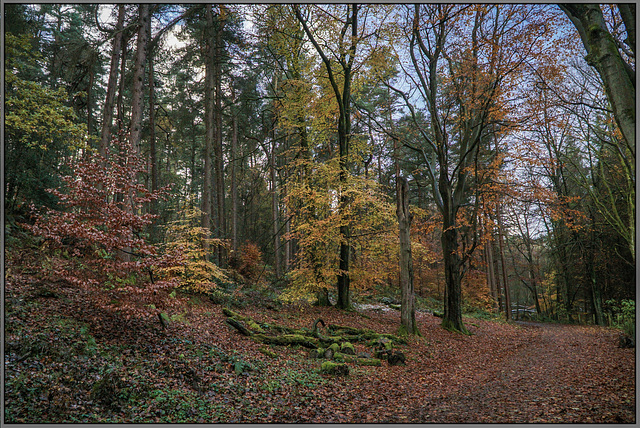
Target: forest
{"x": 403, "y": 213}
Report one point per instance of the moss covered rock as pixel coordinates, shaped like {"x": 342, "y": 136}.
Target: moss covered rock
{"x": 332, "y": 368}
{"x": 369, "y": 362}
{"x": 268, "y": 352}
{"x": 347, "y": 348}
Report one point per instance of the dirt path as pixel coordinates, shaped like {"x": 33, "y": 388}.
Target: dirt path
{"x": 557, "y": 373}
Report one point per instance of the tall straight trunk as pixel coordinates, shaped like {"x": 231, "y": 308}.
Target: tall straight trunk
{"x": 491, "y": 274}
{"x": 153, "y": 158}
{"x": 274, "y": 208}
{"x": 505, "y": 279}
{"x": 137, "y": 93}
{"x": 407, "y": 310}
{"x": 107, "y": 112}
{"x": 120, "y": 102}
{"x": 234, "y": 184}
{"x": 208, "y": 123}
{"x": 343, "y": 98}
{"x": 496, "y": 275}
{"x": 90, "y": 101}
{"x": 596, "y": 294}
{"x": 152, "y": 130}
{"x": 217, "y": 147}
{"x": 452, "y": 319}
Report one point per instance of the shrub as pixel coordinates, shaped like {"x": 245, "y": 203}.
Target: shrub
{"x": 98, "y": 237}
{"x": 197, "y": 273}
{"x": 247, "y": 261}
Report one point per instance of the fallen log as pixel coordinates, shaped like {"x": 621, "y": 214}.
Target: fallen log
{"x": 238, "y": 325}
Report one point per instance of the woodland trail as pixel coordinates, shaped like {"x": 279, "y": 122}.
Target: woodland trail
{"x": 559, "y": 373}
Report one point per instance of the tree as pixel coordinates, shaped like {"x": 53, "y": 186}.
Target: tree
{"x": 107, "y": 115}
{"x": 95, "y": 225}
{"x": 347, "y": 45}
{"x": 41, "y": 131}
{"x": 461, "y": 62}
{"x": 603, "y": 54}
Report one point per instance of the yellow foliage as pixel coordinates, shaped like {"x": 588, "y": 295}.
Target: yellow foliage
{"x": 316, "y": 223}
{"x": 197, "y": 273}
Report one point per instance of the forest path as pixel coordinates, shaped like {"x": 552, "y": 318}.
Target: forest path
{"x": 556, "y": 373}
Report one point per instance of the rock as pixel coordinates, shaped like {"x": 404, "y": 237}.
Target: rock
{"x": 626, "y": 342}
{"x": 328, "y": 354}
{"x": 316, "y": 353}
{"x": 383, "y": 354}
{"x": 364, "y": 355}
{"x": 331, "y": 368}
{"x": 396, "y": 359}
{"x": 369, "y": 362}
{"x": 347, "y": 348}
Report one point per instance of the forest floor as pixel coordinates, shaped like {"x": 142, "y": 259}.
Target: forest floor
{"x": 68, "y": 360}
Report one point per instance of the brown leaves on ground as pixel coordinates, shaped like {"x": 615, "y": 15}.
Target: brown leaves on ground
{"x": 201, "y": 370}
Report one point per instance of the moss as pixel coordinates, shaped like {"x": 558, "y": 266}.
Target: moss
{"x": 403, "y": 332}
{"x": 347, "y": 348}
{"x": 331, "y": 368}
{"x": 232, "y": 314}
{"x": 268, "y": 352}
{"x": 369, "y": 362}
{"x": 254, "y": 326}
{"x": 448, "y": 325}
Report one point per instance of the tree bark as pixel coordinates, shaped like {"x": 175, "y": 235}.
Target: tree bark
{"x": 234, "y": 184}
{"x": 452, "y": 319}
{"x": 407, "y": 309}
{"x": 217, "y": 148}
{"x": 208, "y": 123}
{"x": 505, "y": 279}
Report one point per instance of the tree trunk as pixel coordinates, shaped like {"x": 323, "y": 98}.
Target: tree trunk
{"x": 274, "y": 208}
{"x": 491, "y": 275}
{"x": 209, "y": 125}
{"x": 505, "y": 279}
{"x": 234, "y": 184}
{"x": 138, "y": 76}
{"x": 107, "y": 113}
{"x": 137, "y": 94}
{"x": 603, "y": 54}
{"x": 217, "y": 148}
{"x": 343, "y": 99}
{"x": 452, "y": 319}
{"x": 407, "y": 310}
{"x": 120, "y": 102}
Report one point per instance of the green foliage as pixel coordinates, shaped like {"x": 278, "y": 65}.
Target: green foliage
{"x": 623, "y": 315}
{"x": 40, "y": 131}
{"x": 177, "y": 406}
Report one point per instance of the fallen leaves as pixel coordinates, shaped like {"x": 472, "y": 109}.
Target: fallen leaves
{"x": 201, "y": 370}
